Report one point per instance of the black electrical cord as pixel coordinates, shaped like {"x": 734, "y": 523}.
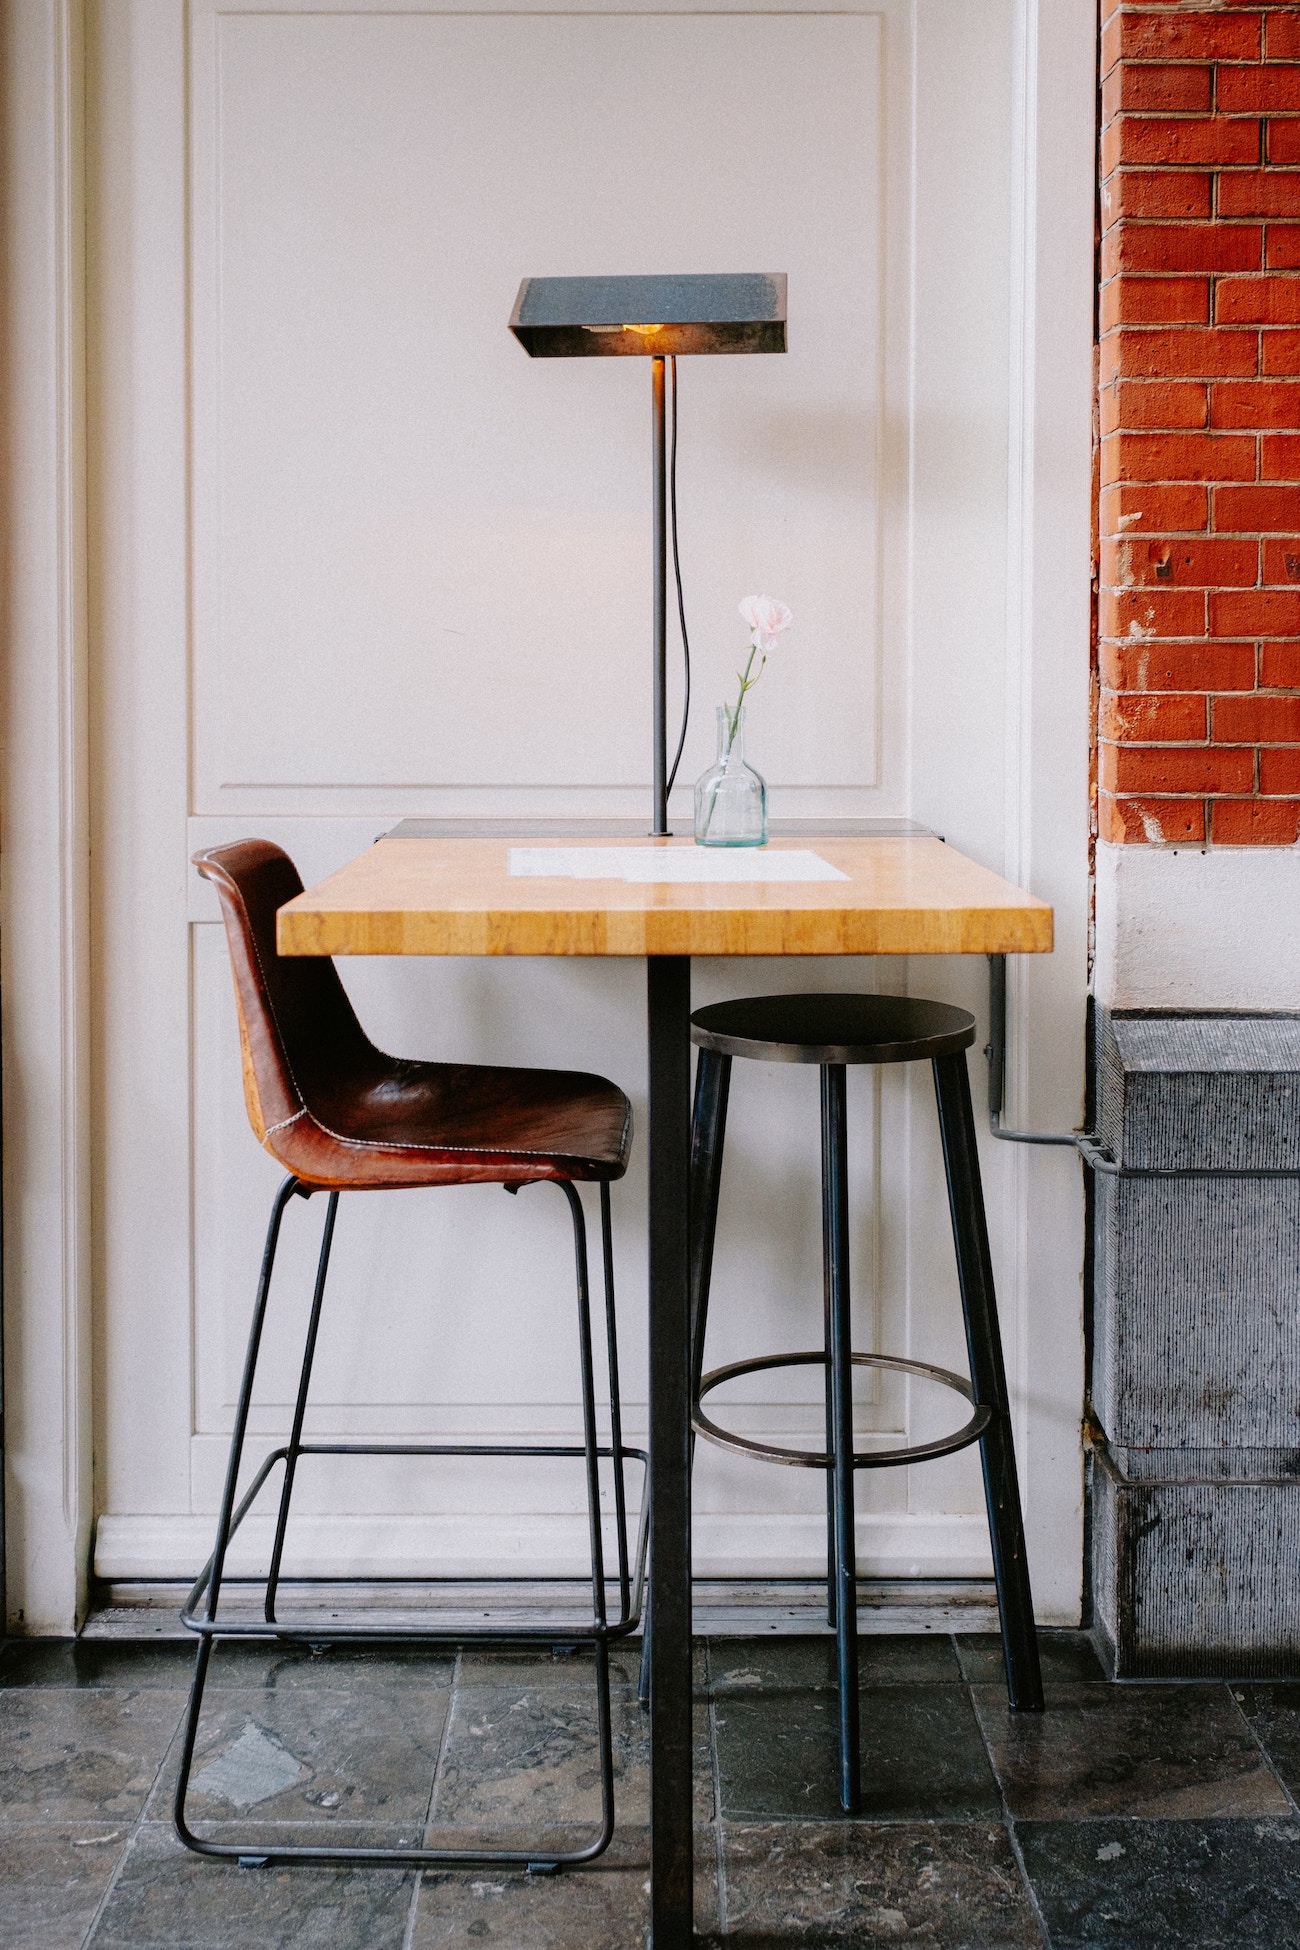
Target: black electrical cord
{"x": 677, "y": 574}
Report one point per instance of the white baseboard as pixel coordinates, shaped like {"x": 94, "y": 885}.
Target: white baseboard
{"x": 721, "y": 1608}
{"x": 484, "y": 1546}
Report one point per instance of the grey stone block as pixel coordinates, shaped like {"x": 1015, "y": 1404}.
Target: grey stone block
{"x": 1196, "y": 1347}
{"x": 1199, "y": 1579}
{"x": 1200, "y": 1090}
{"x": 1197, "y": 1312}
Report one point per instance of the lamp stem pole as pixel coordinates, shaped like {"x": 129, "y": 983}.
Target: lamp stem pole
{"x": 660, "y": 600}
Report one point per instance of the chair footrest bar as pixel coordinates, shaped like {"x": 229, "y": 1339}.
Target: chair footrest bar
{"x": 453, "y": 1449}
{"x": 397, "y": 1857}
{"x": 268, "y": 1463}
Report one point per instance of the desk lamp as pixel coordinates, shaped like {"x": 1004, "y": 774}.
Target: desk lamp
{"x": 654, "y": 318}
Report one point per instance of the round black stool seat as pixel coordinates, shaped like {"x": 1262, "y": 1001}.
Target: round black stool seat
{"x": 833, "y": 1029}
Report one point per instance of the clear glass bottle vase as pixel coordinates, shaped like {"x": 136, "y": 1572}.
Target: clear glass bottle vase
{"x": 731, "y": 797}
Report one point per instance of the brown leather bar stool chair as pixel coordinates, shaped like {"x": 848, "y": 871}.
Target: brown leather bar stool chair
{"x": 340, "y": 1116}
{"x": 834, "y": 1031}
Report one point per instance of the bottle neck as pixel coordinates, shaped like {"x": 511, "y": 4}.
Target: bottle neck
{"x": 731, "y": 743}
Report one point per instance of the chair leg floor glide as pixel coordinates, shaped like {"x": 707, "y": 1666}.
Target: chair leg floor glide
{"x": 201, "y": 1613}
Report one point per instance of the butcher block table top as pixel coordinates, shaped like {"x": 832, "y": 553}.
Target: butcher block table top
{"x": 442, "y": 896}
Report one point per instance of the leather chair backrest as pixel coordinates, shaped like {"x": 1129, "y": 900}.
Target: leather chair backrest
{"x": 297, "y": 1027}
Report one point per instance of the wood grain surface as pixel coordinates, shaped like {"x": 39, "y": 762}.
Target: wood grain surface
{"x": 455, "y": 897}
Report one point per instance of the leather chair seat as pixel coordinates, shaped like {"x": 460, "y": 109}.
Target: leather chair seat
{"x": 407, "y": 1124}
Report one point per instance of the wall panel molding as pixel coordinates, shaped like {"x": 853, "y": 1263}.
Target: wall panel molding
{"x": 421, "y": 576}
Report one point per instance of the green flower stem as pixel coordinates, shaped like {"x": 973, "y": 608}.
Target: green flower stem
{"x": 747, "y": 683}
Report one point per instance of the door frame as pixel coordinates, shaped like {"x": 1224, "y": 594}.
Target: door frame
{"x": 44, "y": 818}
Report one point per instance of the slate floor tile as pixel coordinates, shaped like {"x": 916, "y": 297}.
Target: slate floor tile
{"x": 1149, "y": 1816}
{"x": 519, "y": 1759}
{"x": 310, "y": 1753}
{"x": 81, "y": 1755}
{"x": 591, "y": 1909}
{"x": 1128, "y": 1750}
{"x": 481, "y": 1665}
{"x": 1166, "y": 1885}
{"x": 254, "y": 1662}
{"x": 53, "y": 1880}
{"x": 922, "y": 1756}
{"x": 1065, "y": 1657}
{"x": 606, "y": 1907}
{"x": 528, "y": 1756}
{"x": 166, "y": 1898}
{"x": 949, "y": 1886}
{"x": 132, "y": 1663}
{"x": 884, "y": 1659}
{"x": 1274, "y": 1715}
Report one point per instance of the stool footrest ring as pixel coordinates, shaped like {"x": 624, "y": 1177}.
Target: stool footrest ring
{"x": 945, "y": 1445}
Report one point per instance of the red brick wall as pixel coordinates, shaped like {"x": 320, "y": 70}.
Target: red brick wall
{"x": 1199, "y": 324}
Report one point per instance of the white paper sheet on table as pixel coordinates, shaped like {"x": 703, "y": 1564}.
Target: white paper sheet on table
{"x": 668, "y": 863}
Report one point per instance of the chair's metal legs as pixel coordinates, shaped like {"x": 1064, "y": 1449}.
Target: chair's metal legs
{"x": 300, "y": 1408}
{"x": 615, "y": 1406}
{"x": 708, "y": 1131}
{"x": 988, "y": 1377}
{"x": 835, "y": 1232}
{"x": 226, "y": 1517}
{"x": 591, "y": 1440}
{"x": 598, "y": 1633}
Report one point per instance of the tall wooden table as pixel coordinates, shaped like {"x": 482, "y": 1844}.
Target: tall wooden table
{"x": 456, "y": 896}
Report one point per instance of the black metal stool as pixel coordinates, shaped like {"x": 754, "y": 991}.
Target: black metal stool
{"x": 834, "y": 1031}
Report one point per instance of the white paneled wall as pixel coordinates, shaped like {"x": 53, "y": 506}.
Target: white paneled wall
{"x": 354, "y": 557}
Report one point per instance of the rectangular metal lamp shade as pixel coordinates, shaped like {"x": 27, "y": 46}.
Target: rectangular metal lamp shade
{"x": 601, "y": 318}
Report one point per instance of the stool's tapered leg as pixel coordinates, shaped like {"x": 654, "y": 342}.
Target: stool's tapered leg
{"x": 835, "y": 1209}
{"x": 988, "y": 1377}
{"x": 708, "y": 1131}
{"x": 828, "y": 1347}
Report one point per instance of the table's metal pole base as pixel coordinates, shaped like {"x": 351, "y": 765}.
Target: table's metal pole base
{"x": 668, "y": 998}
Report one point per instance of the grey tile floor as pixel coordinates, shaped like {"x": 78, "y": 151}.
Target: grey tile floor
{"x": 1130, "y": 1817}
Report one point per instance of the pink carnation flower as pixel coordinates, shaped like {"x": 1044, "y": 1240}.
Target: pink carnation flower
{"x": 766, "y": 618}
